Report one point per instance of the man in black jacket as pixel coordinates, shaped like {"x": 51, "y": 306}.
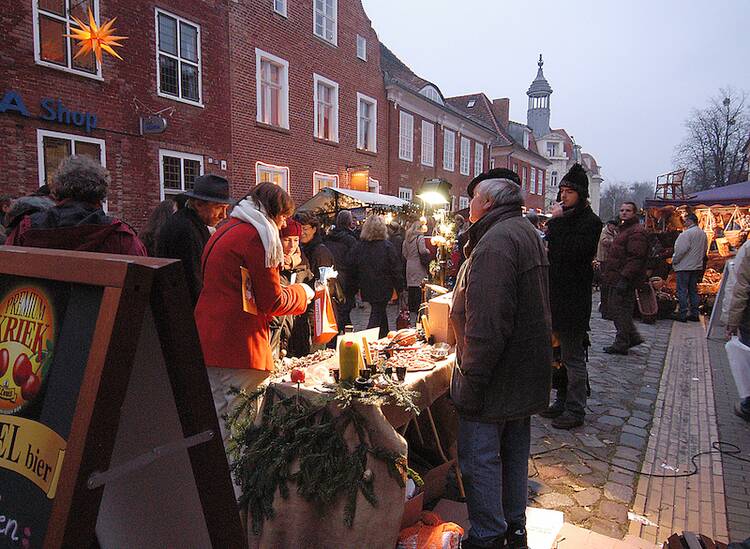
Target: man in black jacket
{"x": 340, "y": 240}
{"x": 185, "y": 234}
{"x": 572, "y": 237}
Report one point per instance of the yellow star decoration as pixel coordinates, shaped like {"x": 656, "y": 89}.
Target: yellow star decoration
{"x": 94, "y": 38}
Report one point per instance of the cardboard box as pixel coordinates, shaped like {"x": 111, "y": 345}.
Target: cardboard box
{"x": 439, "y": 315}
{"x": 412, "y": 510}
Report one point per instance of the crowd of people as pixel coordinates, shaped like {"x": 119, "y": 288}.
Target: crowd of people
{"x": 519, "y": 285}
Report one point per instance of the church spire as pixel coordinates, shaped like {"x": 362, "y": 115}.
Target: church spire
{"x": 538, "y": 113}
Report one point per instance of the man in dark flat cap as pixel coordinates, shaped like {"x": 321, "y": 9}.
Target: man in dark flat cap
{"x": 185, "y": 234}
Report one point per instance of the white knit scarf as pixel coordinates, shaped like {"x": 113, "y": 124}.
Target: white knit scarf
{"x": 250, "y": 211}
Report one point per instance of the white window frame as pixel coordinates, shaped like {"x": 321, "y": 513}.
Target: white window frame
{"x": 260, "y": 56}
{"x": 454, "y": 202}
{"x": 465, "y": 160}
{"x": 280, "y": 10}
{"x": 334, "y": 39}
{"x": 463, "y": 202}
{"x": 373, "y": 129}
{"x": 540, "y": 181}
{"x": 524, "y": 174}
{"x": 41, "y": 134}
{"x": 553, "y": 178}
{"x": 318, "y": 79}
{"x": 361, "y": 47}
{"x": 318, "y": 177}
{"x": 68, "y": 42}
{"x": 182, "y": 156}
{"x": 178, "y": 97}
{"x": 405, "y": 193}
{"x": 428, "y": 143}
{"x": 532, "y": 187}
{"x": 449, "y": 153}
{"x": 405, "y": 136}
{"x": 265, "y": 167}
{"x": 478, "y": 158}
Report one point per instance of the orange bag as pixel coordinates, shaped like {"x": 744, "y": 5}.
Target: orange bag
{"x": 431, "y": 533}
{"x": 324, "y": 324}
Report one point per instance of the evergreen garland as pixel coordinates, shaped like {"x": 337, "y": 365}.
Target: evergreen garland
{"x": 293, "y": 427}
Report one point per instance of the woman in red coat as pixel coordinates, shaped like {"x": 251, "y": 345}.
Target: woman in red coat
{"x": 244, "y": 257}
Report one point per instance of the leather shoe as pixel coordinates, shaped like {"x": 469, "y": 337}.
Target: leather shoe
{"x": 554, "y": 410}
{"x": 693, "y": 318}
{"x": 636, "y": 342}
{"x": 515, "y": 538}
{"x": 739, "y": 412}
{"x": 612, "y": 350}
{"x": 678, "y": 318}
{"x": 567, "y": 421}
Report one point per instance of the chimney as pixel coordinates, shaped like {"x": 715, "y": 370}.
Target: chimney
{"x": 501, "y": 110}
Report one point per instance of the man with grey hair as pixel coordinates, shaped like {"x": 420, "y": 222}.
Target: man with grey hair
{"x": 500, "y": 314}
{"x": 77, "y": 221}
{"x": 687, "y": 261}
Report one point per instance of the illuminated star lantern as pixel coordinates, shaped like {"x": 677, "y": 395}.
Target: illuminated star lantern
{"x": 94, "y": 38}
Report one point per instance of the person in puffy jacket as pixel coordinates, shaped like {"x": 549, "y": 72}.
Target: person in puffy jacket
{"x": 77, "y": 220}
{"x": 376, "y": 271}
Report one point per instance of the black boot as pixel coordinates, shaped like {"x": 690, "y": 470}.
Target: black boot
{"x": 554, "y": 410}
{"x": 515, "y": 537}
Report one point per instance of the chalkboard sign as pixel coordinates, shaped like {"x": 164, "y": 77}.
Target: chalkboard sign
{"x": 108, "y": 434}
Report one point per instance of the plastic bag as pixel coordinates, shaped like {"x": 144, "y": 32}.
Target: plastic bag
{"x": 431, "y": 533}
{"x": 324, "y": 319}
{"x": 739, "y": 362}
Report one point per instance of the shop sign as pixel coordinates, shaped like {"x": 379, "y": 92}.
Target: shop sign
{"x": 53, "y": 110}
{"x": 153, "y": 124}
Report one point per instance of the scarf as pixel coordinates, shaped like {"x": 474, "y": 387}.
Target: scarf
{"x": 250, "y": 211}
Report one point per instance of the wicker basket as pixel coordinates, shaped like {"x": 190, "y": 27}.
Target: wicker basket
{"x": 734, "y": 237}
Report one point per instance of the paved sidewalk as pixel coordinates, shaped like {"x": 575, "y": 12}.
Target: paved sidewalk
{"x": 684, "y": 425}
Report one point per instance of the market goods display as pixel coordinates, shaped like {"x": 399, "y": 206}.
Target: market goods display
{"x": 710, "y": 283}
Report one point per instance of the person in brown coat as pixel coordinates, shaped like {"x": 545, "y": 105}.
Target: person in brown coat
{"x": 501, "y": 316}
{"x": 609, "y": 232}
{"x": 626, "y": 271}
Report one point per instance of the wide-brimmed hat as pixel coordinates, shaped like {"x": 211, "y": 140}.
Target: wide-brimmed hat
{"x": 211, "y": 188}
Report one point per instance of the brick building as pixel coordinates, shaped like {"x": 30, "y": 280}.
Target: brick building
{"x": 308, "y": 102}
{"x": 428, "y": 137}
{"x": 52, "y": 105}
{"x": 514, "y": 146}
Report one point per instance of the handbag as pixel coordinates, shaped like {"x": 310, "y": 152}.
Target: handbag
{"x": 739, "y": 362}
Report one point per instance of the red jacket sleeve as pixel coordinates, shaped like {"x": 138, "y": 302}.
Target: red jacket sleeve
{"x": 271, "y": 298}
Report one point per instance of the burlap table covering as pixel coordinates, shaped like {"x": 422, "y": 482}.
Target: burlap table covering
{"x": 298, "y": 524}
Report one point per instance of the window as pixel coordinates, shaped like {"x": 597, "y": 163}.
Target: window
{"x": 515, "y": 168}
{"x": 551, "y": 149}
{"x": 465, "y": 156}
{"x": 492, "y": 163}
{"x": 279, "y": 6}
{"x": 478, "y": 158}
{"x": 367, "y": 123}
{"x": 178, "y": 57}
{"x": 373, "y": 185}
{"x": 470, "y": 103}
{"x": 322, "y": 180}
{"x": 431, "y": 92}
{"x": 463, "y": 202}
{"x": 449, "y": 150}
{"x": 553, "y": 179}
{"x": 52, "y": 147}
{"x": 540, "y": 181}
{"x": 326, "y": 102}
{"x": 428, "y": 143}
{"x": 53, "y": 19}
{"x": 404, "y": 193}
{"x": 272, "y": 81}
{"x": 278, "y": 175}
{"x": 362, "y": 47}
{"x": 324, "y": 21}
{"x": 406, "y": 136}
{"x": 533, "y": 180}
{"x": 177, "y": 171}
{"x": 523, "y": 177}
{"x": 454, "y": 201}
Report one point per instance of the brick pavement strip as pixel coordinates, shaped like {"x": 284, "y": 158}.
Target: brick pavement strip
{"x": 684, "y": 425}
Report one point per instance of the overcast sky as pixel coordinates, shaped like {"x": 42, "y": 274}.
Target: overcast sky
{"x": 625, "y": 75}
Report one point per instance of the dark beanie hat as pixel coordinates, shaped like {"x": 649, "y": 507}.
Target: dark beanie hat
{"x": 577, "y": 180}
{"x": 494, "y": 173}
{"x": 293, "y": 228}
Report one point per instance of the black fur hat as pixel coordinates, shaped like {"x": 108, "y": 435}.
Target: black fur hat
{"x": 577, "y": 180}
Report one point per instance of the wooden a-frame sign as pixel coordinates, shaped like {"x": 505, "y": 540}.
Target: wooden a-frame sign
{"x": 108, "y": 434}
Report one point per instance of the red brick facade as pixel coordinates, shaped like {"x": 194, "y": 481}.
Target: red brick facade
{"x": 502, "y": 159}
{"x": 126, "y": 90}
{"x": 254, "y": 24}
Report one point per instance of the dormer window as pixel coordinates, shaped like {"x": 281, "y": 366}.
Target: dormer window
{"x": 431, "y": 93}
{"x": 525, "y": 139}
{"x": 471, "y": 103}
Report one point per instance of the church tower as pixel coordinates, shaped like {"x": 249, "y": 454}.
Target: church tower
{"x": 537, "y": 116}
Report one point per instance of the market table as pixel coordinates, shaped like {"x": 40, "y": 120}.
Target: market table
{"x": 297, "y": 523}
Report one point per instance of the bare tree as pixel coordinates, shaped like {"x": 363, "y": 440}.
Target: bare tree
{"x": 716, "y": 135}
{"x": 614, "y": 194}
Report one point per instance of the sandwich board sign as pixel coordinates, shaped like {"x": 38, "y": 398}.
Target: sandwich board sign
{"x": 108, "y": 434}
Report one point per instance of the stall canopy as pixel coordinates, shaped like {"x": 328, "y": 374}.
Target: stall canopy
{"x": 331, "y": 200}
{"x": 729, "y": 195}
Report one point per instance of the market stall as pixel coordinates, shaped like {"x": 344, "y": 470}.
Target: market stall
{"x": 325, "y": 464}
{"x": 723, "y": 213}
{"x": 331, "y": 200}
